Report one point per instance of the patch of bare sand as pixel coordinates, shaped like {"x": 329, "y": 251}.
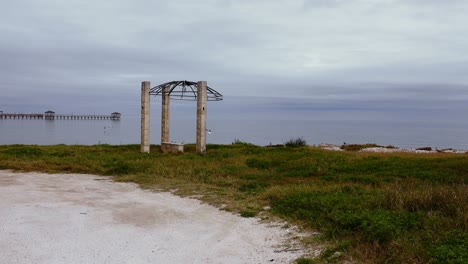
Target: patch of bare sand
{"x": 69, "y": 218}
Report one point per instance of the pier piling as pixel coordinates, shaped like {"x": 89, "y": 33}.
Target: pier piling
{"x": 50, "y": 115}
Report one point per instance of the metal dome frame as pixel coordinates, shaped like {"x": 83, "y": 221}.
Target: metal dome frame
{"x": 185, "y": 90}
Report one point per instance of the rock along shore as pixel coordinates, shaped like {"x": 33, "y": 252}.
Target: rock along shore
{"x": 333, "y": 147}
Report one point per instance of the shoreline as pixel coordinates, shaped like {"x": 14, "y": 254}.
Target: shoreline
{"x": 392, "y": 149}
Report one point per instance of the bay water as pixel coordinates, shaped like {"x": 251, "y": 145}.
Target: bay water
{"x": 263, "y": 122}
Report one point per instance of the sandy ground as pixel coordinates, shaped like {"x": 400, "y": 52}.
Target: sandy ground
{"x": 69, "y": 218}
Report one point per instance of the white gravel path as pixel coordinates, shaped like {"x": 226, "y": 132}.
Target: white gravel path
{"x": 69, "y": 218}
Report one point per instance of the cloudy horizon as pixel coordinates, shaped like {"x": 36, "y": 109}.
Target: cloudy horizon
{"x": 56, "y": 53}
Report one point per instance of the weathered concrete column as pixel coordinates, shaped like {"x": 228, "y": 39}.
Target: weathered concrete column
{"x": 201, "y": 117}
{"x": 145, "y": 117}
{"x": 165, "y": 116}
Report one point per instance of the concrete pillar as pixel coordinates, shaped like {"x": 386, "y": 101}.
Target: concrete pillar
{"x": 201, "y": 117}
{"x": 165, "y": 117}
{"x": 145, "y": 117}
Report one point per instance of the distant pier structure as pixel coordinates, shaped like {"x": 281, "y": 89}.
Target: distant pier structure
{"x": 51, "y": 115}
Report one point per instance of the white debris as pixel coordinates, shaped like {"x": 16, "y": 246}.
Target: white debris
{"x": 394, "y": 150}
{"x": 330, "y": 147}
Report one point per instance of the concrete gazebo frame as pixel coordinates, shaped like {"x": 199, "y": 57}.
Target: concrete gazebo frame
{"x": 177, "y": 90}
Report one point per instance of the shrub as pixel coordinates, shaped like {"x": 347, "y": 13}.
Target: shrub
{"x": 295, "y": 142}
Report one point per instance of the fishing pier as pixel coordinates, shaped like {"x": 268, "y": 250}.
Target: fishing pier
{"x": 50, "y": 115}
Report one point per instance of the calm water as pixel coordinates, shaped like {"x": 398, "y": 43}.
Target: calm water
{"x": 262, "y": 123}
{"x": 261, "y": 132}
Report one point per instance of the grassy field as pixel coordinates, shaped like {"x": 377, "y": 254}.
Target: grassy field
{"x": 368, "y": 207}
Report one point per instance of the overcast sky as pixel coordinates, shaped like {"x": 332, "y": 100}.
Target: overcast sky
{"x": 76, "y": 50}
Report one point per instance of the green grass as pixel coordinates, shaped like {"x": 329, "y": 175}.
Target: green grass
{"x": 369, "y": 207}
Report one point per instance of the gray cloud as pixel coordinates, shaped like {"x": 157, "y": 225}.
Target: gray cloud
{"x": 337, "y": 50}
{"x": 322, "y": 3}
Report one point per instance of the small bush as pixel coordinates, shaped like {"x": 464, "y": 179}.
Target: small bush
{"x": 295, "y": 142}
